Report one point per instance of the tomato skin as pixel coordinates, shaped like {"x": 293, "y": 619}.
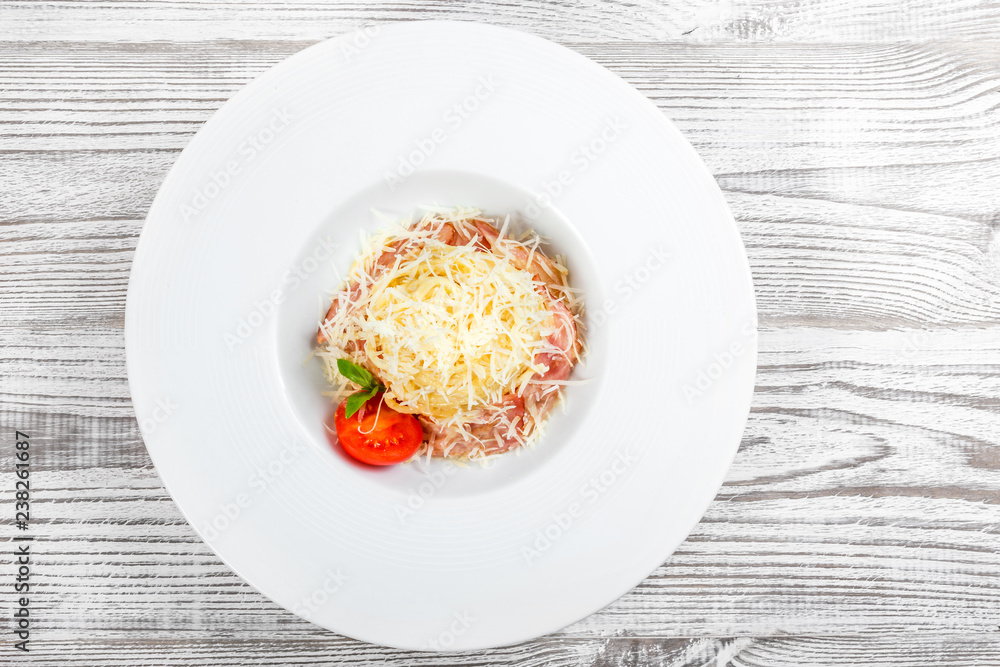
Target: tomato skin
{"x": 382, "y": 437}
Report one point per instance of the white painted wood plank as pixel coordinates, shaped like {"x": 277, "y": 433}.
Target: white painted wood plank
{"x": 579, "y": 20}
{"x": 855, "y": 105}
{"x": 814, "y": 262}
{"x": 908, "y": 650}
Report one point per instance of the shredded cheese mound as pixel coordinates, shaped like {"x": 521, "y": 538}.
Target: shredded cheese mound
{"x": 450, "y": 330}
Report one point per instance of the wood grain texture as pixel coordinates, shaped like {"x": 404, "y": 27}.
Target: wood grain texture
{"x": 858, "y": 145}
{"x": 563, "y": 20}
{"x": 894, "y": 650}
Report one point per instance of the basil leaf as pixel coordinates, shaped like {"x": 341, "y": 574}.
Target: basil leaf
{"x": 356, "y": 374}
{"x": 355, "y": 401}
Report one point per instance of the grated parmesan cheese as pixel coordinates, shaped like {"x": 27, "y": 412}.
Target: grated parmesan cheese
{"x": 451, "y": 331}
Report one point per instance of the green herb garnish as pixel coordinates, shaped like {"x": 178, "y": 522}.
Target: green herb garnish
{"x": 361, "y": 377}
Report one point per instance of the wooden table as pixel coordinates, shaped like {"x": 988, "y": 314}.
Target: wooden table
{"x": 858, "y": 144}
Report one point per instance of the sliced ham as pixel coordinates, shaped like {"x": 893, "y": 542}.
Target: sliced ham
{"x": 536, "y": 263}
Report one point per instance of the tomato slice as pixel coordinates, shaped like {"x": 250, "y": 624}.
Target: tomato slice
{"x": 376, "y": 434}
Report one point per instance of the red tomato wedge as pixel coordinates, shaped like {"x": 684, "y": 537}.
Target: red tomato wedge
{"x": 376, "y": 434}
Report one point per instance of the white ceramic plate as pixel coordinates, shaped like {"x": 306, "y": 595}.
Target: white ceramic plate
{"x": 242, "y": 247}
